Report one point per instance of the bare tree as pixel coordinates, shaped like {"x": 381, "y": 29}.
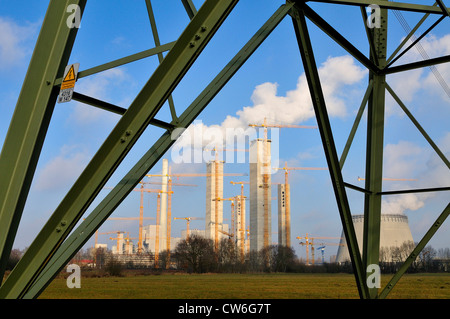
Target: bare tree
{"x": 196, "y": 253}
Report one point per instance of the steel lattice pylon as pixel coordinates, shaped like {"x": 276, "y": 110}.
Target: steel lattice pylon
{"x": 59, "y": 240}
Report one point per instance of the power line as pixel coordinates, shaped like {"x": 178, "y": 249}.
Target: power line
{"x": 422, "y": 51}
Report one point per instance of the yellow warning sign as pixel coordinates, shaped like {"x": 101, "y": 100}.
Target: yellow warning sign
{"x": 68, "y": 83}
{"x": 69, "y": 80}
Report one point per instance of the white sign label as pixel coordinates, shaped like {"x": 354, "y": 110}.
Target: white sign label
{"x": 68, "y": 83}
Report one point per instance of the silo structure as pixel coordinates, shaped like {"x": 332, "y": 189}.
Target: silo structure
{"x": 260, "y": 195}
{"x": 394, "y": 233}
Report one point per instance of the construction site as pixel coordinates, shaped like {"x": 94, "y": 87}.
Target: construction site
{"x": 334, "y": 88}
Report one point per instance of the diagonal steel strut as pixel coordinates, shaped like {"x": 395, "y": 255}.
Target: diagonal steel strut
{"x": 318, "y": 102}
{"x": 34, "y": 109}
{"x": 122, "y": 138}
{"x": 85, "y": 231}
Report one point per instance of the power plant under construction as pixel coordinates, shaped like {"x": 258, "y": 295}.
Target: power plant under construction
{"x": 252, "y": 234}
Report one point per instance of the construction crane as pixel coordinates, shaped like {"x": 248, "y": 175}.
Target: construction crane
{"x": 226, "y": 233}
{"x": 106, "y": 233}
{"x": 118, "y": 238}
{"x": 287, "y": 216}
{"x": 169, "y": 202}
{"x": 322, "y": 249}
{"x": 233, "y": 200}
{"x": 116, "y": 218}
{"x": 216, "y": 176}
{"x": 127, "y": 242}
{"x": 309, "y": 241}
{"x": 242, "y": 221}
{"x": 141, "y": 210}
{"x": 266, "y": 171}
{"x": 188, "y": 220}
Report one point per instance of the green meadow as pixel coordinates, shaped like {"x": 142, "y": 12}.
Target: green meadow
{"x": 243, "y": 286}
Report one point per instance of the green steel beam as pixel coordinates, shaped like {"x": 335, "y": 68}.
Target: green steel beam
{"x": 387, "y": 5}
{"x": 412, "y": 257}
{"x": 418, "y": 126}
{"x": 115, "y": 109}
{"x": 410, "y": 34}
{"x": 121, "y": 61}
{"x": 31, "y": 119}
{"x": 319, "y": 105}
{"x": 417, "y": 190}
{"x": 88, "y": 227}
{"x": 444, "y": 9}
{"x": 369, "y": 34}
{"x": 416, "y": 41}
{"x": 122, "y": 138}
{"x": 374, "y": 152}
{"x": 417, "y": 65}
{"x": 190, "y": 8}
{"x": 338, "y": 38}
{"x": 160, "y": 55}
{"x": 355, "y": 124}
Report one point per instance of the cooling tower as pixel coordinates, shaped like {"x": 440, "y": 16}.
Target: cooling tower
{"x": 394, "y": 232}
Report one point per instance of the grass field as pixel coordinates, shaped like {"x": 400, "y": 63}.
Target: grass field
{"x": 244, "y": 286}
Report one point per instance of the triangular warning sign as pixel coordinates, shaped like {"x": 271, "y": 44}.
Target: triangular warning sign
{"x": 70, "y": 75}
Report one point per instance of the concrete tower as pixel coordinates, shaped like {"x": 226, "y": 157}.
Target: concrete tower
{"x": 163, "y": 215}
{"x": 239, "y": 230}
{"x": 395, "y": 232}
{"x": 260, "y": 195}
{"x": 284, "y": 220}
{"x": 214, "y": 175}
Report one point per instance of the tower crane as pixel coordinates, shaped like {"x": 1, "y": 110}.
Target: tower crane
{"x": 233, "y": 200}
{"x": 188, "y": 220}
{"x": 322, "y": 249}
{"x": 266, "y": 171}
{"x": 216, "y": 176}
{"x": 287, "y": 216}
{"x": 116, "y": 218}
{"x": 118, "y": 238}
{"x": 109, "y": 232}
{"x": 141, "y": 210}
{"x": 169, "y": 202}
{"x": 242, "y": 221}
{"x": 309, "y": 241}
{"x": 127, "y": 242}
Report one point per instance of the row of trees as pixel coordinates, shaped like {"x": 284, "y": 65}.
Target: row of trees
{"x": 198, "y": 255}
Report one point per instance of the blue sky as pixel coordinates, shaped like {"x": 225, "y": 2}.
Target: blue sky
{"x": 271, "y": 84}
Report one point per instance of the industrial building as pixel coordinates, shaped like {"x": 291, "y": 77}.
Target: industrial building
{"x": 260, "y": 190}
{"x": 395, "y": 232}
{"x": 214, "y": 203}
{"x": 284, "y": 224}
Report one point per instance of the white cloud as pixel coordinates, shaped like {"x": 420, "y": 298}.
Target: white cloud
{"x": 337, "y": 73}
{"x": 408, "y": 84}
{"x": 406, "y": 160}
{"x": 13, "y": 42}
{"x": 62, "y": 170}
